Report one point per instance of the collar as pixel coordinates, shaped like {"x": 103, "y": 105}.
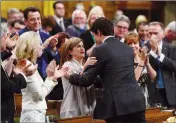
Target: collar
{"x": 107, "y": 38}
{"x": 160, "y": 45}
{"x": 58, "y": 19}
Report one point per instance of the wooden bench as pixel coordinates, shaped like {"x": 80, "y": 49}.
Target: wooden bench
{"x": 53, "y": 106}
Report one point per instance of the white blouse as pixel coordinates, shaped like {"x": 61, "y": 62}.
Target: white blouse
{"x": 33, "y": 96}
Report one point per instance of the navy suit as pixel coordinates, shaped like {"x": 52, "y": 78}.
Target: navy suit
{"x": 41, "y": 62}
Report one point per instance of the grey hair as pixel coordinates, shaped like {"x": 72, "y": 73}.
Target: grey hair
{"x": 78, "y": 11}
{"x": 122, "y": 18}
{"x": 172, "y": 26}
{"x": 12, "y": 10}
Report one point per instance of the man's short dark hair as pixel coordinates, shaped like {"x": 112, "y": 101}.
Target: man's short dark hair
{"x": 30, "y": 9}
{"x": 17, "y": 21}
{"x": 141, "y": 23}
{"x": 104, "y": 25}
{"x": 54, "y": 5}
{"x": 154, "y": 23}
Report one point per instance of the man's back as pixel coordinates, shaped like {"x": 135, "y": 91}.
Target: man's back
{"x": 121, "y": 94}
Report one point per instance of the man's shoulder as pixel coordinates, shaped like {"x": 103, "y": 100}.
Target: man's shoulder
{"x": 23, "y": 31}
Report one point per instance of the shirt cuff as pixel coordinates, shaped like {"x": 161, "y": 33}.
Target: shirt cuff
{"x": 153, "y": 54}
{"x": 162, "y": 56}
{"x": 23, "y": 76}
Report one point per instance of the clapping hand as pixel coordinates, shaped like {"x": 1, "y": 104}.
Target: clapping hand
{"x": 154, "y": 43}
{"x": 54, "y": 72}
{"x": 26, "y": 70}
{"x": 143, "y": 53}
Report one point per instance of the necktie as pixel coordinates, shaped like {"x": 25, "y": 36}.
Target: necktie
{"x": 160, "y": 83}
{"x": 62, "y": 25}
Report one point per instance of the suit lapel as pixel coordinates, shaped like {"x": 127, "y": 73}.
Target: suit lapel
{"x": 165, "y": 49}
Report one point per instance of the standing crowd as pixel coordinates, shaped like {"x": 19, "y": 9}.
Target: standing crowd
{"x": 95, "y": 66}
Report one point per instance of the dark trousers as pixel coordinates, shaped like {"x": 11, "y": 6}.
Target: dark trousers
{"x": 137, "y": 117}
{"x": 163, "y": 98}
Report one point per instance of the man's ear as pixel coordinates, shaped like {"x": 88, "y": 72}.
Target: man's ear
{"x": 99, "y": 33}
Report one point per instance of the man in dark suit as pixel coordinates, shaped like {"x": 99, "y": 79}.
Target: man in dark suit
{"x": 10, "y": 86}
{"x": 61, "y": 22}
{"x": 121, "y": 99}
{"x": 163, "y": 60}
{"x": 33, "y": 23}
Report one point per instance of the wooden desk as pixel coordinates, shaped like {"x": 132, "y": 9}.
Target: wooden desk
{"x": 154, "y": 115}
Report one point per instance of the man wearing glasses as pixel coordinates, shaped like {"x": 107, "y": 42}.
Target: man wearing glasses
{"x": 121, "y": 27}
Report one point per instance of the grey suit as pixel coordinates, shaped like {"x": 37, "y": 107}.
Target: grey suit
{"x": 115, "y": 64}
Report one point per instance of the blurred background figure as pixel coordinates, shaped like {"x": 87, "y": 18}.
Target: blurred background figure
{"x": 78, "y": 23}
{"x": 21, "y": 15}
{"x": 48, "y": 23}
{"x": 61, "y": 22}
{"x": 117, "y": 14}
{"x": 140, "y": 19}
{"x": 13, "y": 14}
{"x": 88, "y": 39}
{"x": 121, "y": 27}
{"x": 16, "y": 26}
{"x": 142, "y": 31}
{"x": 79, "y": 6}
{"x": 170, "y": 33}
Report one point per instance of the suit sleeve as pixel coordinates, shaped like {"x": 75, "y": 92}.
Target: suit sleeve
{"x": 170, "y": 62}
{"x": 14, "y": 85}
{"x": 90, "y": 73}
{"x": 40, "y": 91}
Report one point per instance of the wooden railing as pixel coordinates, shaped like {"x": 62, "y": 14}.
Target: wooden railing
{"x": 153, "y": 115}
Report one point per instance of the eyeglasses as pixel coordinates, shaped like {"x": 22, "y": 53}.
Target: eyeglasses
{"x": 121, "y": 27}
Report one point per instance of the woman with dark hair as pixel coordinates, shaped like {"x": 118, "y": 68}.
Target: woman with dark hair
{"x": 144, "y": 72}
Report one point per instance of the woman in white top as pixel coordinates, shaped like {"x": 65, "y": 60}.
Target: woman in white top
{"x": 75, "y": 98}
{"x": 33, "y": 96}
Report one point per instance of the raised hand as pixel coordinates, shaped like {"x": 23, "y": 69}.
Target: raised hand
{"x": 53, "y": 71}
{"x": 27, "y": 70}
{"x": 90, "y": 61}
{"x": 143, "y": 53}
{"x": 154, "y": 43}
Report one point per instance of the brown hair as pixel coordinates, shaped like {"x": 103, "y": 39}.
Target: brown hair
{"x": 67, "y": 47}
{"x": 48, "y": 21}
{"x": 61, "y": 38}
{"x": 131, "y": 37}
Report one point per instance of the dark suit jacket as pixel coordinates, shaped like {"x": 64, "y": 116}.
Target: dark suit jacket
{"x": 115, "y": 66}
{"x": 87, "y": 40}
{"x": 8, "y": 87}
{"x": 58, "y": 29}
{"x": 41, "y": 62}
{"x": 168, "y": 69}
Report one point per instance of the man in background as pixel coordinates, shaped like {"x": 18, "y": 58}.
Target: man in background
{"x": 121, "y": 26}
{"x": 61, "y": 22}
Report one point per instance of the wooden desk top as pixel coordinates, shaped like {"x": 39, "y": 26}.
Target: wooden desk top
{"x": 154, "y": 115}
